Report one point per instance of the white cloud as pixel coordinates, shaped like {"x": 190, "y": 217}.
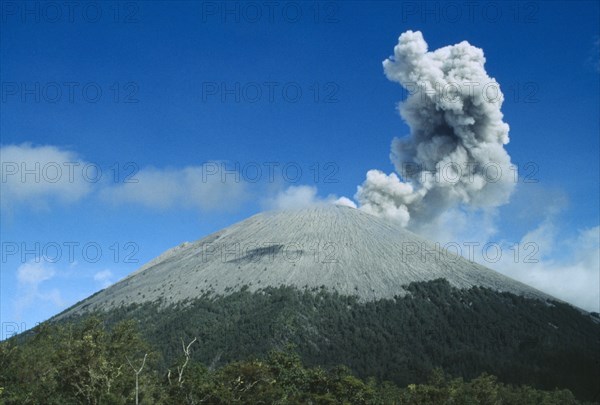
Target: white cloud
{"x": 33, "y": 273}
{"x": 35, "y": 175}
{"x": 104, "y": 277}
{"x": 294, "y": 197}
{"x": 575, "y": 277}
{"x": 196, "y": 187}
{"x": 566, "y": 268}
{"x": 345, "y": 202}
{"x": 30, "y": 276}
{"x": 460, "y": 225}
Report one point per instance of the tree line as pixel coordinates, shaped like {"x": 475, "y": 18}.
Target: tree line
{"x": 89, "y": 363}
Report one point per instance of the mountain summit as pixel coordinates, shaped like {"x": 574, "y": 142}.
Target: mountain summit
{"x": 336, "y": 247}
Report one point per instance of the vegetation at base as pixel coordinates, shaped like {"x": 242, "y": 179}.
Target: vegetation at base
{"x": 88, "y": 363}
{"x": 465, "y": 333}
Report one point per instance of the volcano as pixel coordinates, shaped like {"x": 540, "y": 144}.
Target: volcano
{"x": 336, "y": 247}
{"x": 345, "y": 287}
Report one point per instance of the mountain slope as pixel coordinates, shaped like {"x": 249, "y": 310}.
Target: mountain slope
{"x": 343, "y": 249}
{"x": 345, "y": 287}
{"x": 466, "y": 332}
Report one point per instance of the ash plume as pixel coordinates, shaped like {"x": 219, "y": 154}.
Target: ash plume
{"x": 454, "y": 154}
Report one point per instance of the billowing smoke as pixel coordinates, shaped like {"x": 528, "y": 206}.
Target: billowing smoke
{"x": 454, "y": 154}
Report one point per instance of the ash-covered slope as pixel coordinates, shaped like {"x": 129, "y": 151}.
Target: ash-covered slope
{"x": 341, "y": 248}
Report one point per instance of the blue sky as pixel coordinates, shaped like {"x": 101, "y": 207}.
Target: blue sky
{"x": 169, "y": 92}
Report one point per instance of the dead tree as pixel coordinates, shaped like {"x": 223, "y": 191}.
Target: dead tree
{"x": 186, "y": 353}
{"x": 137, "y": 375}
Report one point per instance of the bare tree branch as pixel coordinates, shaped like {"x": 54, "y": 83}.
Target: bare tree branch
{"x": 186, "y": 352}
{"x": 137, "y": 374}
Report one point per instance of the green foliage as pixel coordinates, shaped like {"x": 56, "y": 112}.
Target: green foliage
{"x": 483, "y": 390}
{"x": 285, "y": 346}
{"x": 279, "y": 378}
{"x": 465, "y": 332}
{"x": 72, "y": 364}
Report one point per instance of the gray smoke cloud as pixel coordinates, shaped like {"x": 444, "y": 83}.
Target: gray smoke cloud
{"x": 454, "y": 154}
